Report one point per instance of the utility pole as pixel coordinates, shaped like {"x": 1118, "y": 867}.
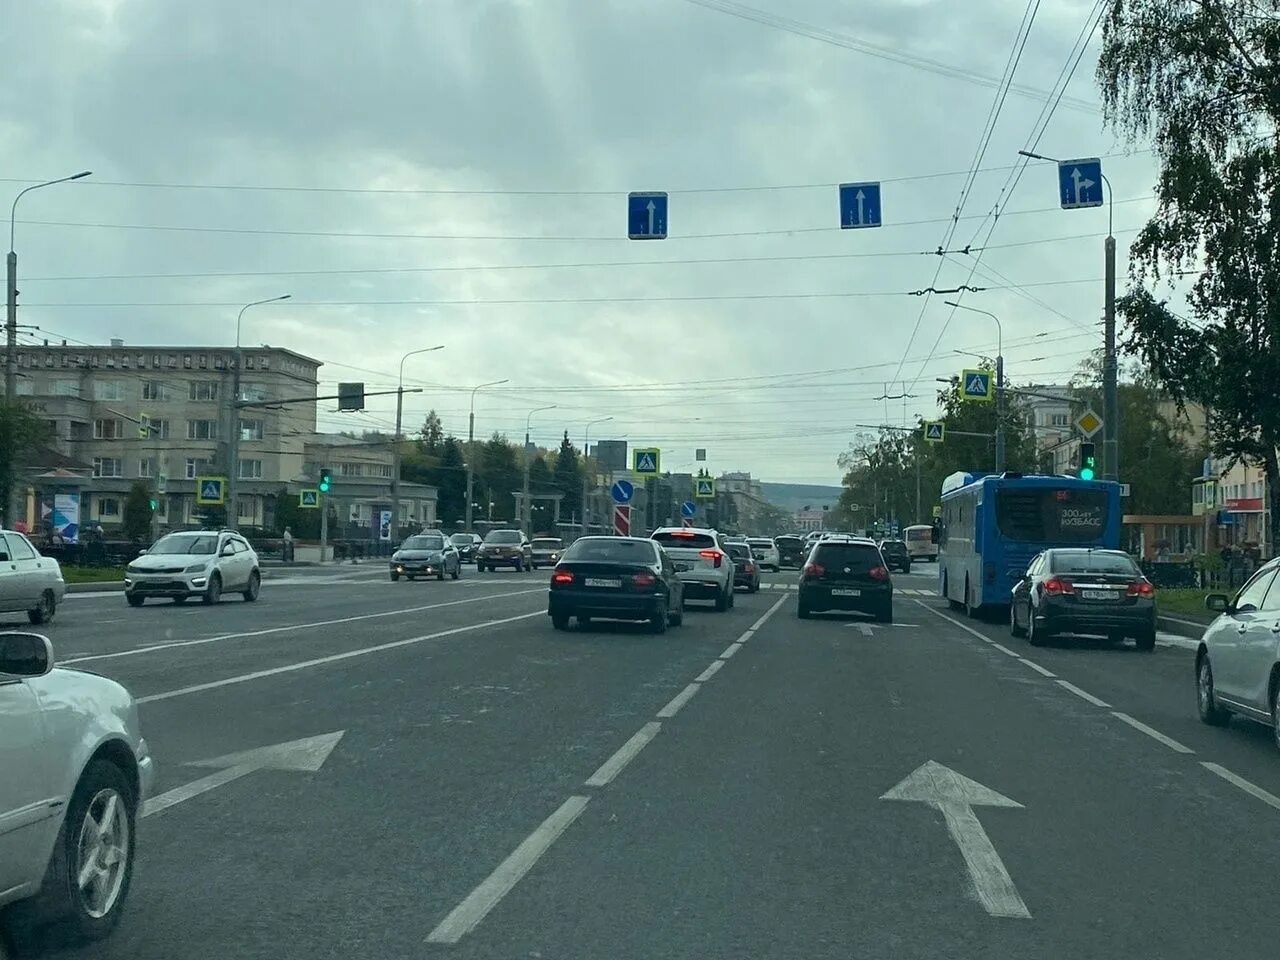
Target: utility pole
{"x": 395, "y": 446}
{"x": 586, "y": 440}
{"x": 233, "y": 442}
{"x": 1000, "y": 457}
{"x": 471, "y": 444}
{"x": 1110, "y": 390}
{"x": 525, "y": 512}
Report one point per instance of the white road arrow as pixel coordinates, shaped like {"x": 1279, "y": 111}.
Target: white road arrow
{"x": 860, "y": 196}
{"x": 1080, "y": 181}
{"x": 956, "y": 796}
{"x": 650, "y": 206}
{"x": 306, "y": 755}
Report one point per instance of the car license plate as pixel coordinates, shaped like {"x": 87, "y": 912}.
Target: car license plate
{"x": 602, "y": 582}
{"x": 682, "y": 567}
{"x": 841, "y": 592}
{"x": 1099, "y": 595}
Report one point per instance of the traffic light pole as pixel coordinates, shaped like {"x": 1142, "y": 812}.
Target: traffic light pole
{"x": 324, "y": 527}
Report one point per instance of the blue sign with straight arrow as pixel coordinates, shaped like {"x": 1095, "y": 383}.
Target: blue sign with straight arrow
{"x": 1080, "y": 183}
{"x": 647, "y": 216}
{"x": 859, "y": 205}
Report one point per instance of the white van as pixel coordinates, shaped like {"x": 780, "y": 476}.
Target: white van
{"x": 920, "y": 545}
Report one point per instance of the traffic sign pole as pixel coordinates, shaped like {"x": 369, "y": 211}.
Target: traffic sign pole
{"x": 621, "y": 520}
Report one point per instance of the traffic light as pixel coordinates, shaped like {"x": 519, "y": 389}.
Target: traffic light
{"x": 1088, "y": 461}
{"x": 326, "y": 479}
{"x": 154, "y": 503}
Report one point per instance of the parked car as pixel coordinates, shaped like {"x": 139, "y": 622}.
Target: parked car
{"x": 1238, "y": 661}
{"x": 766, "y": 552}
{"x": 29, "y": 583}
{"x": 746, "y": 572}
{"x": 75, "y": 773}
{"x": 700, "y": 561}
{"x": 429, "y": 554}
{"x": 465, "y": 544}
{"x": 196, "y": 563}
{"x": 846, "y": 573}
{"x": 545, "y": 551}
{"x": 504, "y": 548}
{"x": 619, "y": 578}
{"x": 896, "y": 555}
{"x": 791, "y": 550}
{"x": 1074, "y": 590}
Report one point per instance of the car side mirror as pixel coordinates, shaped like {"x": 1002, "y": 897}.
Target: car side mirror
{"x": 1217, "y": 602}
{"x": 228, "y": 551}
{"x": 141, "y": 552}
{"x": 25, "y": 654}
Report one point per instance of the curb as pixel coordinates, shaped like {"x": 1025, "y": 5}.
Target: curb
{"x": 1183, "y": 628}
{"x": 101, "y": 586}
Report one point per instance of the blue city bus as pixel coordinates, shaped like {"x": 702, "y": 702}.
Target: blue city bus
{"x": 991, "y": 526}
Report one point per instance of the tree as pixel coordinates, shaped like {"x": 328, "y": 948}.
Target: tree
{"x": 431, "y": 436}
{"x": 137, "y": 512}
{"x": 500, "y": 475}
{"x": 568, "y": 479}
{"x": 303, "y": 523}
{"x": 540, "y": 478}
{"x": 1199, "y": 79}
{"x": 21, "y": 433}
{"x": 450, "y": 480}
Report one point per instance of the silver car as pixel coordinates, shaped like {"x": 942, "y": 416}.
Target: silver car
{"x": 1238, "y": 661}
{"x": 429, "y": 554}
{"x": 195, "y": 563}
{"x": 29, "y": 582}
{"x": 75, "y": 773}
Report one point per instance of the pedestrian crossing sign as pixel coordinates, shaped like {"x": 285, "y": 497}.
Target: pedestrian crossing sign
{"x": 704, "y": 488}
{"x": 977, "y": 385}
{"x": 646, "y": 460}
{"x": 935, "y": 431}
{"x": 309, "y": 499}
{"x": 211, "y": 491}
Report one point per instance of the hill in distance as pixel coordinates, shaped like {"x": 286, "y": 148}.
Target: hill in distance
{"x": 797, "y": 496}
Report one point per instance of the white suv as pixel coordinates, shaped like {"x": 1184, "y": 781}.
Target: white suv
{"x": 702, "y": 564}
{"x": 195, "y": 563}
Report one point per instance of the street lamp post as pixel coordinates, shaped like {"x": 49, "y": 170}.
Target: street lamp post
{"x": 999, "y": 379}
{"x": 233, "y": 442}
{"x": 471, "y": 442}
{"x": 395, "y": 446}
{"x": 11, "y": 323}
{"x": 525, "y": 521}
{"x": 586, "y": 440}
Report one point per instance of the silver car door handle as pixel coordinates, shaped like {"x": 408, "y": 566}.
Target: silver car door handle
{"x": 1242, "y": 628}
{"x": 1275, "y": 627}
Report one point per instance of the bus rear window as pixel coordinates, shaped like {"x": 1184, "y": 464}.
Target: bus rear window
{"x": 1047, "y": 515}
{"x": 918, "y": 533}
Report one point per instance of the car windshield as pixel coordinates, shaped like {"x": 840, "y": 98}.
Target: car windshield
{"x": 197, "y": 544}
{"x": 545, "y": 543}
{"x": 460, "y": 538}
{"x": 424, "y": 541}
{"x": 610, "y": 549}
{"x": 760, "y": 543}
{"x": 1093, "y": 561}
{"x": 503, "y": 536}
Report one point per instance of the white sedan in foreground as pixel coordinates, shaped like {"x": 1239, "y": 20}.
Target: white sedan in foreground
{"x": 74, "y": 770}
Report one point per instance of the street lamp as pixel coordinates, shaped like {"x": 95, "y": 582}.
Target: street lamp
{"x": 471, "y": 442}
{"x": 395, "y": 446}
{"x": 524, "y": 499}
{"x": 1110, "y": 398}
{"x": 233, "y": 443}
{"x": 586, "y": 440}
{"x": 11, "y": 324}
{"x": 999, "y": 379}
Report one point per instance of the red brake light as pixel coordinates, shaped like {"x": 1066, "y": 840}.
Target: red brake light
{"x": 644, "y": 580}
{"x": 1141, "y": 588}
{"x": 715, "y": 556}
{"x": 879, "y": 573}
{"x": 685, "y": 534}
{"x": 562, "y": 576}
{"x": 814, "y": 570}
{"x": 1056, "y": 586}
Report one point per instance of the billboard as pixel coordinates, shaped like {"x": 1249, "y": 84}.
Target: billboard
{"x": 611, "y": 455}
{"x": 60, "y": 516}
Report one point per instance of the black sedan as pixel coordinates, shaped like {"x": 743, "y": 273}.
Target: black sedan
{"x": 791, "y": 550}
{"x": 846, "y": 573}
{"x": 616, "y": 578}
{"x": 895, "y": 555}
{"x": 426, "y": 555}
{"x": 465, "y": 544}
{"x": 1084, "y": 591}
{"x": 746, "y": 570}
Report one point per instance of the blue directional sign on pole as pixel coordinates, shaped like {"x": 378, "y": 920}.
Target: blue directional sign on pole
{"x": 1080, "y": 183}
{"x": 859, "y": 205}
{"x": 688, "y": 509}
{"x": 622, "y": 491}
{"x": 647, "y": 216}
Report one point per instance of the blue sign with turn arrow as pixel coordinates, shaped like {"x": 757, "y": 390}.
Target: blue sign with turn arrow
{"x": 1080, "y": 183}
{"x": 622, "y": 491}
{"x": 647, "y": 216}
{"x": 859, "y": 205}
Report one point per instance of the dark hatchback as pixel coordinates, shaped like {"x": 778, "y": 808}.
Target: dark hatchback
{"x": 746, "y": 569}
{"x": 790, "y": 550}
{"x": 1084, "y": 591}
{"x": 465, "y": 544}
{"x": 846, "y": 574}
{"x": 895, "y": 555}
{"x": 616, "y": 578}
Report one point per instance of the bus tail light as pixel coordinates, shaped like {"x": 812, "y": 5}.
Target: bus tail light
{"x": 1056, "y": 587}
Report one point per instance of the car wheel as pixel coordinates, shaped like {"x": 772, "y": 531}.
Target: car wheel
{"x": 658, "y": 622}
{"x": 254, "y": 586}
{"x": 1034, "y": 637}
{"x": 754, "y": 588}
{"x": 457, "y": 570}
{"x": 1207, "y": 701}
{"x": 802, "y": 612}
{"x": 1147, "y": 640}
{"x": 519, "y": 566}
{"x": 560, "y": 621}
{"x": 395, "y": 577}
{"x": 676, "y": 616}
{"x": 134, "y": 601}
{"x": 479, "y": 567}
{"x": 440, "y": 574}
{"x": 1014, "y": 629}
{"x": 1275, "y": 711}
{"x": 44, "y": 609}
{"x": 970, "y": 610}
{"x": 906, "y": 568}
{"x": 180, "y": 599}
{"x": 732, "y": 598}
{"x": 885, "y": 615}
{"x": 213, "y": 592}
{"x": 583, "y": 622}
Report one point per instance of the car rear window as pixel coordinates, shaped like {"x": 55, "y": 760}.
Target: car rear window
{"x": 460, "y": 538}
{"x": 611, "y": 551}
{"x": 739, "y": 551}
{"x": 503, "y": 536}
{"x": 688, "y": 541}
{"x": 859, "y": 557}
{"x": 789, "y": 542}
{"x": 1084, "y": 561}
{"x": 760, "y": 544}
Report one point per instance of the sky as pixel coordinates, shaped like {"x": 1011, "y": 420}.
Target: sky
{"x": 455, "y": 172}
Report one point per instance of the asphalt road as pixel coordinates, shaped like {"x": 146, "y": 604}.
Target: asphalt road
{"x": 472, "y": 784}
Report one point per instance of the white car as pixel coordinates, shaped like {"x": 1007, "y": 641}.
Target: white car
{"x": 195, "y": 563}
{"x": 75, "y": 773}
{"x": 29, "y": 582}
{"x": 702, "y": 563}
{"x": 766, "y": 552}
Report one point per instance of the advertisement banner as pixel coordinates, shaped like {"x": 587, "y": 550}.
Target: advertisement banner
{"x": 384, "y": 524}
{"x": 60, "y": 516}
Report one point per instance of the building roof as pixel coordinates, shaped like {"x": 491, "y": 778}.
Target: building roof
{"x": 166, "y": 348}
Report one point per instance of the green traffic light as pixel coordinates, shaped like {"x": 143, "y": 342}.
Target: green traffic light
{"x": 1086, "y": 473}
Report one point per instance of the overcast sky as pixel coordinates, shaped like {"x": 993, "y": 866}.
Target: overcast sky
{"x": 378, "y": 117}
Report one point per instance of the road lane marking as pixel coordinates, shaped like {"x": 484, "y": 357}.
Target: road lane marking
{"x": 730, "y": 650}
{"x": 767, "y": 614}
{"x": 1037, "y": 668}
{"x": 463, "y": 918}
{"x": 154, "y": 647}
{"x": 1151, "y": 732}
{"x": 334, "y": 658}
{"x": 678, "y": 701}
{"x": 710, "y": 672}
{"x": 864, "y": 629}
{"x": 626, "y": 753}
{"x": 1270, "y": 799}
{"x": 1005, "y": 650}
{"x": 1082, "y": 694}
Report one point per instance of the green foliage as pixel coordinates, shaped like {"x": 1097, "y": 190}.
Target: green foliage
{"x": 500, "y": 476}
{"x": 568, "y": 478}
{"x": 450, "y": 481}
{"x": 137, "y": 512}
{"x": 304, "y": 524}
{"x": 431, "y": 436}
{"x": 22, "y": 431}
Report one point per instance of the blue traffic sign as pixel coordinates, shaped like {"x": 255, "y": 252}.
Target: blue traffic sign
{"x": 688, "y": 509}
{"x": 1080, "y": 183}
{"x": 977, "y": 385}
{"x": 859, "y": 205}
{"x": 622, "y": 491}
{"x": 647, "y": 216}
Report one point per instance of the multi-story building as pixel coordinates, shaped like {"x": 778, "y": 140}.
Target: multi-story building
{"x": 164, "y": 415}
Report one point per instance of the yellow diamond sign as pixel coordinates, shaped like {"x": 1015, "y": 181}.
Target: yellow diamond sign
{"x": 1088, "y": 423}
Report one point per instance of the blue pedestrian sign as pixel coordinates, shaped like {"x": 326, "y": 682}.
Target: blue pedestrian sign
{"x": 622, "y": 491}
{"x": 647, "y": 216}
{"x": 211, "y": 491}
{"x": 1080, "y": 183}
{"x": 859, "y": 205}
{"x": 688, "y": 509}
{"x": 646, "y": 460}
{"x": 977, "y": 385}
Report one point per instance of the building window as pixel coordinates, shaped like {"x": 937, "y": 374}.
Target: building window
{"x": 156, "y": 390}
{"x": 250, "y": 470}
{"x": 253, "y": 391}
{"x": 25, "y": 387}
{"x": 108, "y": 390}
{"x": 65, "y": 388}
{"x": 108, "y": 429}
{"x": 351, "y": 469}
{"x": 251, "y": 429}
{"x": 107, "y": 467}
{"x": 202, "y": 429}
{"x": 147, "y": 467}
{"x": 197, "y": 467}
{"x": 108, "y": 507}
{"x": 203, "y": 390}
{"x": 1058, "y": 420}
{"x": 380, "y": 470}
{"x": 159, "y": 429}
{"x": 245, "y": 508}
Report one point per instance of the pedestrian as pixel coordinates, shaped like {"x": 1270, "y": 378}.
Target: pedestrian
{"x": 288, "y": 545}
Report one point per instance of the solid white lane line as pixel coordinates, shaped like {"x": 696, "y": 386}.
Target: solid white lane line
{"x": 135, "y": 651}
{"x": 865, "y": 629}
{"x": 1270, "y": 799}
{"x": 626, "y": 753}
{"x": 1151, "y": 732}
{"x": 464, "y": 917}
{"x": 730, "y": 650}
{"x": 334, "y": 658}
{"x": 768, "y": 613}
{"x": 710, "y": 672}
{"x": 679, "y": 700}
{"x": 1037, "y": 668}
{"x": 1082, "y": 694}
{"x": 745, "y": 637}
{"x": 1005, "y": 650}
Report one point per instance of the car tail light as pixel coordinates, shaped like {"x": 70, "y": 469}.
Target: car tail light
{"x": 644, "y": 580}
{"x": 1141, "y": 588}
{"x": 715, "y": 556}
{"x": 814, "y": 570}
{"x": 879, "y": 573}
{"x": 1056, "y": 586}
{"x": 562, "y": 576}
